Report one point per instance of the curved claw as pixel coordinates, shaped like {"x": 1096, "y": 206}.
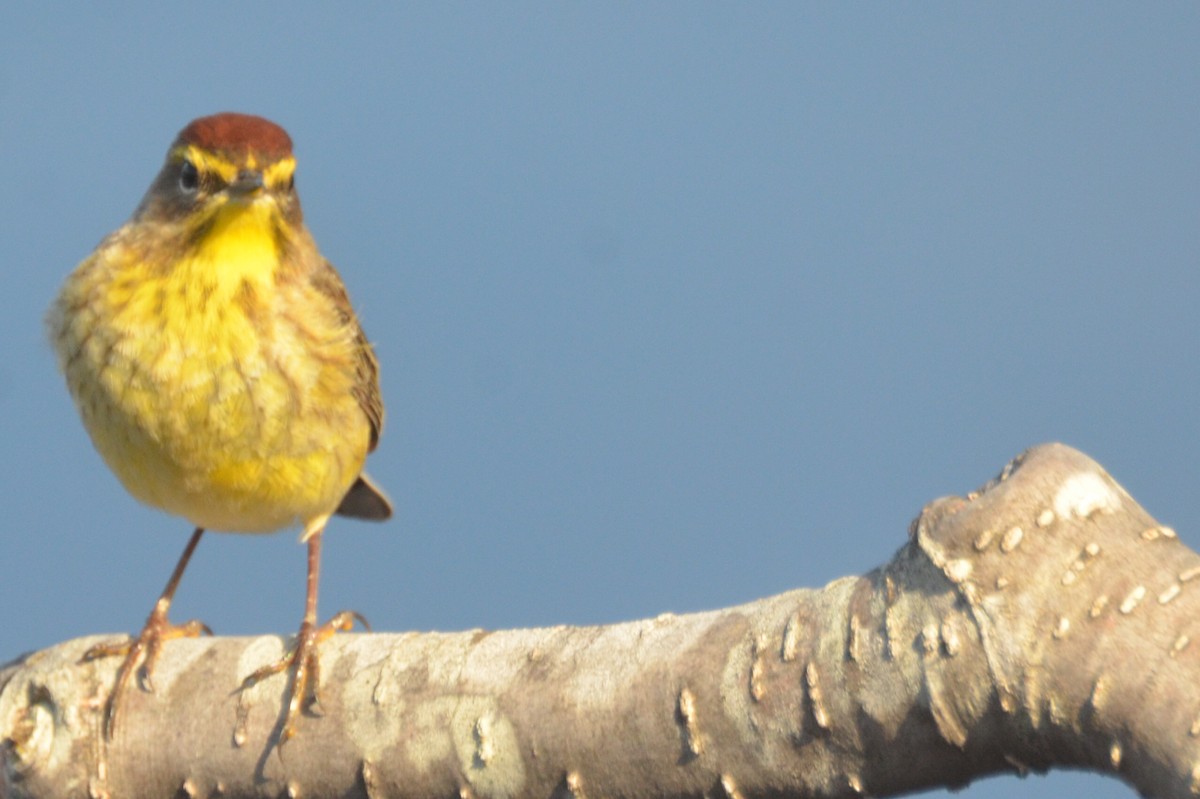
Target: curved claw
{"x": 189, "y": 629}
{"x": 343, "y": 621}
{"x": 141, "y": 653}
{"x": 303, "y": 658}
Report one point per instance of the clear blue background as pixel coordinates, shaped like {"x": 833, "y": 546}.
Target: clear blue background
{"x": 679, "y": 305}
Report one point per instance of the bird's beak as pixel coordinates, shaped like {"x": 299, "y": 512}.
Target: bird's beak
{"x": 247, "y": 184}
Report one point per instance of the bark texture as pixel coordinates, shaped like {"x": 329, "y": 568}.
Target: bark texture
{"x": 1045, "y": 620}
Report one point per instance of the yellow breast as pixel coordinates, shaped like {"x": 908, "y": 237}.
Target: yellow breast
{"x": 218, "y": 387}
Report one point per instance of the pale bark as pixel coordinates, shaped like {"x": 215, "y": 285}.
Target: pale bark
{"x": 1043, "y": 621}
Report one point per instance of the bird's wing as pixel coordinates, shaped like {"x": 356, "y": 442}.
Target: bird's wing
{"x": 366, "y": 382}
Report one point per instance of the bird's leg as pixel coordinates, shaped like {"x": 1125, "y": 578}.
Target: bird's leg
{"x": 147, "y": 646}
{"x": 303, "y": 656}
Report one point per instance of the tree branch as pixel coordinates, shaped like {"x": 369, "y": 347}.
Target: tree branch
{"x": 1045, "y": 620}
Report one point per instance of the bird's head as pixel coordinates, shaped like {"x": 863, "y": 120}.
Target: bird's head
{"x": 226, "y": 172}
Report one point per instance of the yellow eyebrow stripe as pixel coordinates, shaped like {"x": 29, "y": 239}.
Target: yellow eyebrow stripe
{"x": 274, "y": 175}
{"x": 279, "y": 173}
{"x": 207, "y": 163}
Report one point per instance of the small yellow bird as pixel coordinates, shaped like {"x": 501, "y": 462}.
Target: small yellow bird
{"x": 221, "y": 373}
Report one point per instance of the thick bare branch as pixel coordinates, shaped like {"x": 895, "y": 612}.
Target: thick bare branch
{"x": 1043, "y": 621}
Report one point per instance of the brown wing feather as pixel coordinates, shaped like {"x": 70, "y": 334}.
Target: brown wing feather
{"x": 366, "y": 383}
{"x": 364, "y": 500}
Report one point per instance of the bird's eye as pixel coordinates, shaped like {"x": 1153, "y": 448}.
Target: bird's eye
{"x": 189, "y": 177}
{"x": 291, "y": 183}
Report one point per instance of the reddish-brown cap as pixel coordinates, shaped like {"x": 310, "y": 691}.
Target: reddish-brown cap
{"x": 237, "y": 135}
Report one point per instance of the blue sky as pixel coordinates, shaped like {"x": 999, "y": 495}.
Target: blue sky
{"x": 678, "y": 305}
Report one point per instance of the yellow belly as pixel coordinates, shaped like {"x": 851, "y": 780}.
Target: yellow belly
{"x": 214, "y": 392}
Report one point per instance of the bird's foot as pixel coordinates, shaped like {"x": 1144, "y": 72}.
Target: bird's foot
{"x": 144, "y": 649}
{"x": 303, "y": 659}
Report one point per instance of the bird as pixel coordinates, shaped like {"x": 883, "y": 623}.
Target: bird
{"x": 221, "y": 373}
